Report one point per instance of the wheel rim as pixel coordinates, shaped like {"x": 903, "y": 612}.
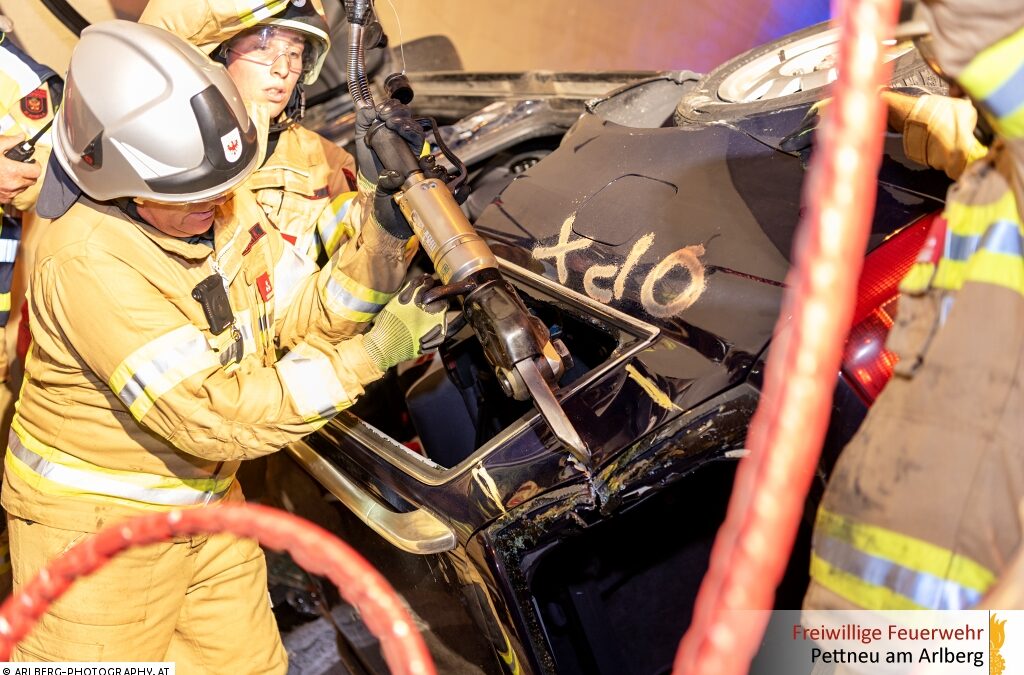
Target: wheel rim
{"x": 801, "y": 65}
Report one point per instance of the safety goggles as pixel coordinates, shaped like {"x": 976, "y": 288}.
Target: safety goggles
{"x": 267, "y": 45}
{"x": 192, "y": 205}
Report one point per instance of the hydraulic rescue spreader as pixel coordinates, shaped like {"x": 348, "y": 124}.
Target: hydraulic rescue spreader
{"x": 527, "y": 362}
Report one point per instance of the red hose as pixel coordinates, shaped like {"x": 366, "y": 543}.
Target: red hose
{"x": 312, "y": 547}
{"x": 754, "y": 544}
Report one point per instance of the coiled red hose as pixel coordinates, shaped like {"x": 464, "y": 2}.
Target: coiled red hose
{"x": 754, "y": 544}
{"x": 312, "y": 547}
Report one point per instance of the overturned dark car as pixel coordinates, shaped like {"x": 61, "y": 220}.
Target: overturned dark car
{"x": 650, "y": 228}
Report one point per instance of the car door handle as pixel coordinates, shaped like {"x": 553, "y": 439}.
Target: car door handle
{"x": 416, "y": 531}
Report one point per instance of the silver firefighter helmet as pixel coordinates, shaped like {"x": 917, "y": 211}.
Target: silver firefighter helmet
{"x": 147, "y": 115}
{"x": 308, "y": 20}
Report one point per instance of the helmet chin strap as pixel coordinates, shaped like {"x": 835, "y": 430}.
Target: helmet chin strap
{"x": 293, "y": 112}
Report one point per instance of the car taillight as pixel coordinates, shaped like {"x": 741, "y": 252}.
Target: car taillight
{"x": 865, "y": 359}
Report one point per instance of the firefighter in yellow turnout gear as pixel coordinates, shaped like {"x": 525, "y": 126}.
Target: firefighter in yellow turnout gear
{"x": 307, "y": 184}
{"x": 156, "y": 322}
{"x": 922, "y": 509}
{"x": 27, "y": 91}
{"x": 26, "y": 108}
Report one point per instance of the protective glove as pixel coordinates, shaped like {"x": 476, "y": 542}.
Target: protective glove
{"x": 397, "y": 117}
{"x": 899, "y": 102}
{"x": 803, "y": 136}
{"x": 404, "y": 329}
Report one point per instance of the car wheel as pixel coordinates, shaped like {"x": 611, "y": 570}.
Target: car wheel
{"x": 788, "y": 72}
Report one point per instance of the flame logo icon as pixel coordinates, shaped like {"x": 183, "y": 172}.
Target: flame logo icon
{"x": 996, "y": 638}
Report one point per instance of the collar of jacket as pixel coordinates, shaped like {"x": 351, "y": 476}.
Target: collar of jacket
{"x": 179, "y": 247}
{"x": 225, "y": 238}
{"x": 297, "y": 165}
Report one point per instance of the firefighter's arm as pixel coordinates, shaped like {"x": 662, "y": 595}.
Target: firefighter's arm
{"x": 29, "y": 126}
{"x": 343, "y": 168}
{"x": 346, "y": 295}
{"x": 194, "y": 20}
{"x": 364, "y": 273}
{"x": 335, "y": 226}
{"x": 170, "y": 374}
{"x": 938, "y": 131}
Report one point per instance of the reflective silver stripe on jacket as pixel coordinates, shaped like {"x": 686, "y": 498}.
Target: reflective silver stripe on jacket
{"x": 327, "y": 231}
{"x": 103, "y": 484}
{"x": 159, "y": 366}
{"x": 8, "y": 250}
{"x": 1002, "y": 236}
{"x": 926, "y": 590}
{"x": 348, "y": 298}
{"x": 312, "y": 384}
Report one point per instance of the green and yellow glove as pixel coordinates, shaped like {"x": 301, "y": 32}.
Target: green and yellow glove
{"x": 404, "y": 329}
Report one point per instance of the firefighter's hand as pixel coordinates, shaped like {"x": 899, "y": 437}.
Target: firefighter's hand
{"x": 803, "y": 136}
{"x": 405, "y": 329}
{"x": 396, "y": 116}
{"x": 899, "y": 103}
{"x": 388, "y": 215}
{"x": 15, "y": 177}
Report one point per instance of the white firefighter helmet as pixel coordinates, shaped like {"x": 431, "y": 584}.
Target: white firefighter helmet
{"x": 147, "y": 115}
{"x": 306, "y": 18}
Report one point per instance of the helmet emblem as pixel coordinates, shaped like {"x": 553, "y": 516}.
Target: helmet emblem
{"x": 298, "y": 3}
{"x": 232, "y": 142}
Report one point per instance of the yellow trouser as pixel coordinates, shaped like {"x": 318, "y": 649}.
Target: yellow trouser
{"x": 202, "y": 603}
{"x": 5, "y": 561}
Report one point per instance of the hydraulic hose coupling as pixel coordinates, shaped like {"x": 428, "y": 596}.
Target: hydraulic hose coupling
{"x": 445, "y": 233}
{"x": 357, "y": 11}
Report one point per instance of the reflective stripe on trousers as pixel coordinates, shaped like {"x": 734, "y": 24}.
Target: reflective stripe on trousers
{"x": 877, "y": 568}
{"x": 54, "y": 472}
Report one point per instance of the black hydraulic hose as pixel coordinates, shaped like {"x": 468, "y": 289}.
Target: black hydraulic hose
{"x": 357, "y": 12}
{"x": 67, "y": 15}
